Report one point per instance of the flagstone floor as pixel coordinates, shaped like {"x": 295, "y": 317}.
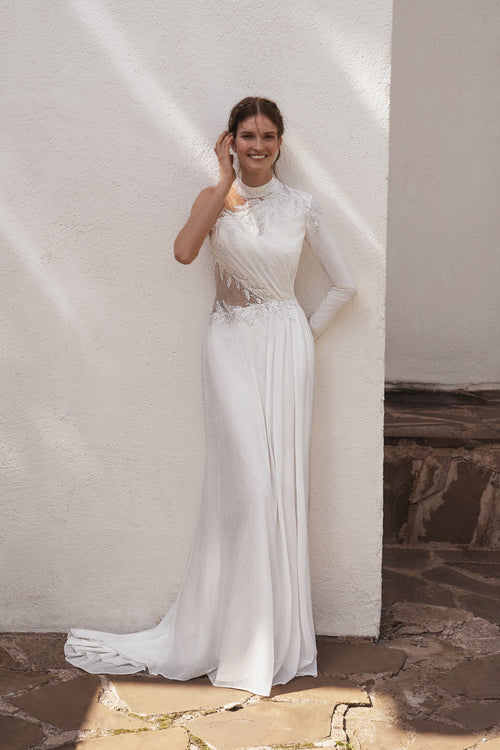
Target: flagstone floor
{"x": 431, "y": 682}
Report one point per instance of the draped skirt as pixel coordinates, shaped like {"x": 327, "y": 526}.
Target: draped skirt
{"x": 243, "y": 612}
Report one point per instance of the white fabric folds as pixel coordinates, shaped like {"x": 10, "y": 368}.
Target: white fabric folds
{"x": 243, "y": 613}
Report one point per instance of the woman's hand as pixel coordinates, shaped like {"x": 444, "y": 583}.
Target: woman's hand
{"x": 226, "y": 169}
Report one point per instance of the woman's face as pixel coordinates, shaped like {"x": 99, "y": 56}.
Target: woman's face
{"x": 256, "y": 145}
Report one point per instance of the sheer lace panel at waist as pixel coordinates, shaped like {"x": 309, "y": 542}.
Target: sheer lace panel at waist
{"x": 233, "y": 291}
{"x": 235, "y": 300}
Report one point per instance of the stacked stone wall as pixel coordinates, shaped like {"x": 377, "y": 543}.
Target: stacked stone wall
{"x": 435, "y": 495}
{"x": 442, "y": 468}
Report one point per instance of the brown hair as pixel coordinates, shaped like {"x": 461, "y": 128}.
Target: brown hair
{"x": 256, "y": 105}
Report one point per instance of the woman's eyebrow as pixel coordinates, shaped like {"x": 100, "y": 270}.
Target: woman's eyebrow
{"x": 252, "y": 132}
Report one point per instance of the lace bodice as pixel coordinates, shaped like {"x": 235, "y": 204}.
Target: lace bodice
{"x": 256, "y": 250}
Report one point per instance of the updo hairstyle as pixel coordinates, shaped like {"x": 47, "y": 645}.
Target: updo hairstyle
{"x": 256, "y": 105}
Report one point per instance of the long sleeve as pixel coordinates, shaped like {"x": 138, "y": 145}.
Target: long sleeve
{"x": 327, "y": 251}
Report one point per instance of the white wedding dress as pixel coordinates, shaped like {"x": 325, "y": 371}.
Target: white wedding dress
{"x": 243, "y": 613}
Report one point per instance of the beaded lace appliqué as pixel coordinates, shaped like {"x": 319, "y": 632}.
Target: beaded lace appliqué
{"x": 314, "y": 215}
{"x": 252, "y": 314}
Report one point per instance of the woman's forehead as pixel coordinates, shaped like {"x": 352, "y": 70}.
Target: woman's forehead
{"x": 258, "y": 122}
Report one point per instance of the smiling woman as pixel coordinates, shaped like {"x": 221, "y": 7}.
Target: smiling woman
{"x": 243, "y": 613}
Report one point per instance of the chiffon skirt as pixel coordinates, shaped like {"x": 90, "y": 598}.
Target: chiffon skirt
{"x": 243, "y": 613}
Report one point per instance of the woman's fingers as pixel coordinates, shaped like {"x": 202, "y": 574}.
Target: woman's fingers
{"x": 224, "y": 157}
{"x": 223, "y": 141}
{"x": 222, "y": 146}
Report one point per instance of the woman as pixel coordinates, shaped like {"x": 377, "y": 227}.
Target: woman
{"x": 243, "y": 613}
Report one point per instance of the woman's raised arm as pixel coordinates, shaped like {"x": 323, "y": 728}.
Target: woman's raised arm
{"x": 207, "y": 206}
{"x": 204, "y": 213}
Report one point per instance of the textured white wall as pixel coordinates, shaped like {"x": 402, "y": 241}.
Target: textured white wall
{"x": 443, "y": 264}
{"x": 111, "y": 110}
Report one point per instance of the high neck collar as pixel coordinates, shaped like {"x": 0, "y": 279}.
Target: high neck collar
{"x": 261, "y": 191}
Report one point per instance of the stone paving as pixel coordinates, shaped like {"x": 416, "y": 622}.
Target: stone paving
{"x": 432, "y": 682}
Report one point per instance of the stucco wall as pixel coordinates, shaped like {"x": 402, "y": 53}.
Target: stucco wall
{"x": 111, "y": 110}
{"x": 443, "y": 264}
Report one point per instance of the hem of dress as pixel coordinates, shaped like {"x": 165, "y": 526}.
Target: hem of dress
{"x": 307, "y": 670}
{"x": 74, "y": 658}
{"x": 264, "y": 692}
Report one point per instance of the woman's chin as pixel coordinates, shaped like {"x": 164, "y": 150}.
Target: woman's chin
{"x": 256, "y": 169}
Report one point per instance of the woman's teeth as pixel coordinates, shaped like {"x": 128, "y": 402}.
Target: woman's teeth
{"x": 254, "y": 156}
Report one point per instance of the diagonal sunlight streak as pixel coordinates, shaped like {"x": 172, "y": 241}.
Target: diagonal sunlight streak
{"x": 309, "y": 163}
{"x": 143, "y": 83}
{"x": 28, "y": 252}
{"x": 370, "y": 91}
{"x": 169, "y": 117}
